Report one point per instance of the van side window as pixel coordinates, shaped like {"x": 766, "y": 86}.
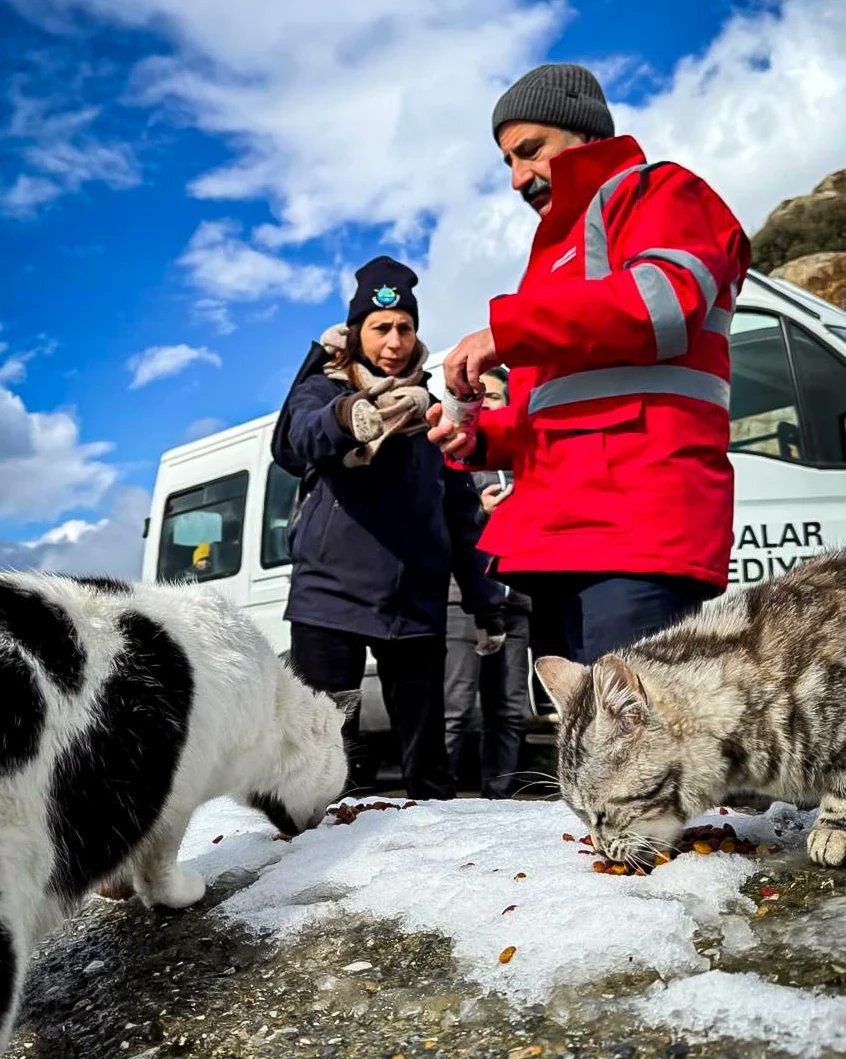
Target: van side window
{"x": 821, "y": 375}
{"x": 764, "y": 412}
{"x": 202, "y": 531}
{"x": 279, "y": 496}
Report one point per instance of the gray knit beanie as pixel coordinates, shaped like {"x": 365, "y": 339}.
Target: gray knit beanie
{"x": 559, "y": 94}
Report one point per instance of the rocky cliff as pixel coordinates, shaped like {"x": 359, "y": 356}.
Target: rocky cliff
{"x": 804, "y": 240}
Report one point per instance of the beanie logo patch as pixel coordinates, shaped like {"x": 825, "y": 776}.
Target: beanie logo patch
{"x": 385, "y": 297}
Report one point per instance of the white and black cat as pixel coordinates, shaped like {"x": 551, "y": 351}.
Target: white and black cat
{"x": 124, "y": 708}
{"x": 749, "y": 695}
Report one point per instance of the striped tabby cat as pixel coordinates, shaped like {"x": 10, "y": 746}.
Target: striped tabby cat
{"x": 749, "y": 695}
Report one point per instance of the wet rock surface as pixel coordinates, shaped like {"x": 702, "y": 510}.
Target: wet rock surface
{"x": 123, "y": 981}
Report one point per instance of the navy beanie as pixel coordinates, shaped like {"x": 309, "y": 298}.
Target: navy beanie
{"x": 383, "y": 284}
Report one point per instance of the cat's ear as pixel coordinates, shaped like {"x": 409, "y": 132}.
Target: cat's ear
{"x": 348, "y": 702}
{"x": 619, "y": 694}
{"x": 561, "y": 678}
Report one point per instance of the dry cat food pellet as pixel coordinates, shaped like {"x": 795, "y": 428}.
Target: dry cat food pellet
{"x": 507, "y": 953}
{"x": 216, "y": 840}
{"x": 529, "y": 1052}
{"x": 348, "y": 814}
{"x": 703, "y": 840}
{"x": 510, "y": 908}
{"x": 520, "y": 875}
{"x": 567, "y": 837}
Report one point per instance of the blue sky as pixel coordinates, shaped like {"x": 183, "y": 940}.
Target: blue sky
{"x": 185, "y": 194}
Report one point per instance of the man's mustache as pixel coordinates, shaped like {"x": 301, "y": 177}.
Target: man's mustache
{"x": 537, "y": 186}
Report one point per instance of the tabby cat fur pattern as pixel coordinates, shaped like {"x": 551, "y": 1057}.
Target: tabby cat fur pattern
{"x": 126, "y": 707}
{"x": 747, "y": 695}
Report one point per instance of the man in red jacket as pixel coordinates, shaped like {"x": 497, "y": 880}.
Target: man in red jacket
{"x": 617, "y": 340}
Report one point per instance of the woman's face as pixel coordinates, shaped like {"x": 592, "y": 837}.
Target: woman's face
{"x": 387, "y": 339}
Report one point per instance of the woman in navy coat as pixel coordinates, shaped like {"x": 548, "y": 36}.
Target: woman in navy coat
{"x": 381, "y": 524}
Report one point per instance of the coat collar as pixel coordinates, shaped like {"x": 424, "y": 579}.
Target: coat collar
{"x": 577, "y": 173}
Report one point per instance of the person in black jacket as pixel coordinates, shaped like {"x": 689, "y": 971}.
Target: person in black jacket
{"x": 380, "y": 524}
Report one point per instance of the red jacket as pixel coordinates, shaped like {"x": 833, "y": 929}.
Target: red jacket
{"x": 618, "y": 426}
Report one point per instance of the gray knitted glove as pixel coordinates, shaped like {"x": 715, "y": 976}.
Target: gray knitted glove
{"x": 358, "y": 415}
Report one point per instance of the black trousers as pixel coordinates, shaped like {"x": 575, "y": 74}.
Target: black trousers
{"x": 501, "y": 682}
{"x": 583, "y": 616}
{"x": 411, "y": 674}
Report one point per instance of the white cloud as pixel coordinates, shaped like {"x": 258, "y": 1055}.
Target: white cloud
{"x": 69, "y": 532}
{"x": 332, "y": 118}
{"x": 761, "y": 114}
{"x": 13, "y": 369}
{"x": 111, "y": 545}
{"x": 478, "y": 249}
{"x": 214, "y": 311}
{"x": 75, "y": 164}
{"x": 45, "y": 468}
{"x": 225, "y": 267}
{"x": 59, "y": 152}
{"x": 160, "y": 362}
{"x": 26, "y": 194}
{"x": 333, "y": 114}
{"x": 340, "y": 114}
{"x": 200, "y": 428}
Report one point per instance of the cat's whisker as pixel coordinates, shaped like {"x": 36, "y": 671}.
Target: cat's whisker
{"x": 527, "y": 772}
{"x": 658, "y": 846}
{"x": 536, "y": 783}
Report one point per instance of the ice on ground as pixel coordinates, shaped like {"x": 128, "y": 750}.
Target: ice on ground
{"x": 745, "y": 1007}
{"x": 495, "y": 874}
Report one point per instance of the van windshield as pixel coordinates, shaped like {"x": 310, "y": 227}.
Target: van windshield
{"x": 202, "y": 531}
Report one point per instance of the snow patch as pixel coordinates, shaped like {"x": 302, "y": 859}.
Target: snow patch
{"x": 745, "y": 1007}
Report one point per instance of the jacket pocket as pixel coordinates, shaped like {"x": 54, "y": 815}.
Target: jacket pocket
{"x": 602, "y": 414}
{"x": 327, "y": 529}
{"x": 298, "y": 526}
{"x": 575, "y": 451}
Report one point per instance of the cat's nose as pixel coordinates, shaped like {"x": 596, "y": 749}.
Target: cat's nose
{"x": 315, "y": 819}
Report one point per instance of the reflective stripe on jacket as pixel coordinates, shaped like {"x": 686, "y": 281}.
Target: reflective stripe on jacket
{"x": 617, "y": 428}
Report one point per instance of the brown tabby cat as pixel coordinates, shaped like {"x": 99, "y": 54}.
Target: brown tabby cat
{"x": 749, "y": 695}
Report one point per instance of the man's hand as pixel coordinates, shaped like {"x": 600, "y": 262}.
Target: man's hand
{"x": 493, "y": 495}
{"x": 471, "y": 358}
{"x": 453, "y": 442}
{"x": 490, "y": 630}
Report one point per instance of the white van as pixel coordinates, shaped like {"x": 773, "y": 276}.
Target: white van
{"x": 222, "y": 504}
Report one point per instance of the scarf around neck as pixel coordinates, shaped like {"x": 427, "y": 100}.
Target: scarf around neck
{"x": 363, "y": 375}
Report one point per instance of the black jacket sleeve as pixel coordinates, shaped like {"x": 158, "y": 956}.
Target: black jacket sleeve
{"x": 314, "y": 433}
{"x": 462, "y": 506}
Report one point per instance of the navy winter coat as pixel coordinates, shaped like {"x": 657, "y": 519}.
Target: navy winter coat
{"x": 372, "y": 547}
